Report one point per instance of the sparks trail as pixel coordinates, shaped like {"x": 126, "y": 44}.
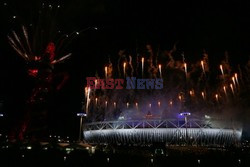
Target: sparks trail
{"x": 35, "y": 44}
{"x": 190, "y": 86}
{"x": 44, "y": 74}
{"x": 42, "y": 45}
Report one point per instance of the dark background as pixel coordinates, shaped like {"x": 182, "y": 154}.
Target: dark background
{"x": 194, "y": 25}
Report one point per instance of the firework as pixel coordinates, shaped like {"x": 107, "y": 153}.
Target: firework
{"x": 95, "y": 83}
{"x": 203, "y": 95}
{"x": 191, "y": 92}
{"x": 142, "y": 65}
{"x": 88, "y": 99}
{"x": 202, "y": 66}
{"x": 194, "y": 94}
{"x": 106, "y": 72}
{"x": 61, "y": 59}
{"x": 225, "y": 90}
{"x": 106, "y": 104}
{"x": 23, "y": 48}
{"x": 185, "y": 68}
{"x": 42, "y": 51}
{"x": 217, "y": 97}
{"x": 15, "y": 47}
{"x": 236, "y": 78}
{"x": 232, "y": 88}
{"x": 222, "y": 71}
{"x": 96, "y": 100}
{"x": 43, "y": 72}
{"x": 234, "y": 83}
{"x": 180, "y": 98}
{"x": 27, "y": 39}
{"x": 179, "y": 93}
{"x": 160, "y": 70}
{"x": 124, "y": 69}
{"x": 131, "y": 65}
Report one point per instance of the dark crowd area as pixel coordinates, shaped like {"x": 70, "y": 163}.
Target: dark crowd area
{"x": 37, "y": 155}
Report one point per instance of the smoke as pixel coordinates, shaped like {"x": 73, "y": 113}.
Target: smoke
{"x": 196, "y": 88}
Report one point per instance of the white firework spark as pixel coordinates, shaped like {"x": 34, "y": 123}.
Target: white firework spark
{"x": 62, "y": 58}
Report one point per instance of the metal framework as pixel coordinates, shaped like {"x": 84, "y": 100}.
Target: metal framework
{"x": 206, "y": 132}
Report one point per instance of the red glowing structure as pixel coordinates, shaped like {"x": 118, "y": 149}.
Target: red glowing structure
{"x": 42, "y": 70}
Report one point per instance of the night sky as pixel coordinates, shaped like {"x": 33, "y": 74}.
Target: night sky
{"x": 126, "y": 24}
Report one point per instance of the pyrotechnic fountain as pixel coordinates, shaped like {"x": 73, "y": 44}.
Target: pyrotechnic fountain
{"x": 41, "y": 69}
{"x": 155, "y": 115}
{"x": 42, "y": 45}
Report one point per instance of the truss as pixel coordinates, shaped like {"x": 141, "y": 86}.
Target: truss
{"x": 169, "y": 131}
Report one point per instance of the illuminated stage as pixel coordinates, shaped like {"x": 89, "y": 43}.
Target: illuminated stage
{"x": 205, "y": 132}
